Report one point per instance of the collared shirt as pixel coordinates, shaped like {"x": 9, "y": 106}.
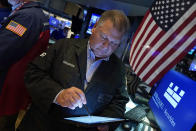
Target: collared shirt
{"x": 16, "y": 6}
{"x": 92, "y": 65}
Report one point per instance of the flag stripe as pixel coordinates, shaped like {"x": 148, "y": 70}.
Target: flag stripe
{"x": 143, "y": 37}
{"x": 162, "y": 49}
{"x": 137, "y": 35}
{"x": 163, "y": 38}
{"x": 187, "y": 45}
{"x": 152, "y": 41}
{"x": 19, "y": 29}
{"x": 148, "y": 35}
{"x": 140, "y": 37}
{"x": 170, "y": 54}
{"x": 191, "y": 45}
{"x": 181, "y": 31}
{"x": 11, "y": 28}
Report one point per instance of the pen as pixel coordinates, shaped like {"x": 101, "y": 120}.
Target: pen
{"x": 86, "y": 108}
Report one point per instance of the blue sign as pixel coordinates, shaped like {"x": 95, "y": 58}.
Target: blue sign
{"x": 173, "y": 102}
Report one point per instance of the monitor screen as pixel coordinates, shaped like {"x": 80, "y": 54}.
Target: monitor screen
{"x": 173, "y": 102}
{"x": 93, "y": 20}
{"x": 53, "y": 21}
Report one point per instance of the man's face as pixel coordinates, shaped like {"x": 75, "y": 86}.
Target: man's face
{"x": 105, "y": 39}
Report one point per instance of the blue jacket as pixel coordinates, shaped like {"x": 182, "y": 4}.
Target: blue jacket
{"x": 23, "y": 36}
{"x": 12, "y": 46}
{"x": 4, "y": 12}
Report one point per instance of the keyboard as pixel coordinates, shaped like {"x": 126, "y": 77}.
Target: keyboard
{"x": 137, "y": 113}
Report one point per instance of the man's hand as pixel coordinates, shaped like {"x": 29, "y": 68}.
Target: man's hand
{"x": 71, "y": 98}
{"x": 103, "y": 128}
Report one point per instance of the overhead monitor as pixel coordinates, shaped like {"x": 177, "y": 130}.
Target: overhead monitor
{"x": 93, "y": 20}
{"x": 53, "y": 21}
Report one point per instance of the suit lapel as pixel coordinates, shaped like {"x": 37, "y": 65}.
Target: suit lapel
{"x": 82, "y": 59}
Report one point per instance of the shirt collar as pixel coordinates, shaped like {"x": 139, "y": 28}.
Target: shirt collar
{"x": 16, "y": 6}
{"x": 91, "y": 55}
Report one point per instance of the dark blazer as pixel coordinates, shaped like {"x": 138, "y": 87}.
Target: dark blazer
{"x": 62, "y": 66}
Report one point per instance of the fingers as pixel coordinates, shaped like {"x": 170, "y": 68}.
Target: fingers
{"x": 71, "y": 98}
{"x": 76, "y": 101}
{"x": 81, "y": 94}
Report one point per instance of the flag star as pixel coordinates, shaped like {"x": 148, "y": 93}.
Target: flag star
{"x": 172, "y": 0}
{"x": 155, "y": 8}
{"x": 167, "y": 1}
{"x": 162, "y": 7}
{"x": 171, "y": 20}
{"x": 166, "y": 16}
{"x": 182, "y": 8}
{"x": 162, "y": 12}
{"x": 177, "y": 4}
{"x": 166, "y": 26}
{"x": 182, "y": 3}
{"x": 158, "y": 13}
{"x": 166, "y": 21}
{"x": 172, "y": 5}
{"x": 152, "y": 8}
{"x": 177, "y": 9}
{"x": 161, "y": 22}
{"x": 158, "y": 7}
{"x": 157, "y": 18}
{"x": 167, "y": 6}
{"x": 167, "y": 11}
{"x": 172, "y": 15}
{"x": 163, "y": 2}
{"x": 161, "y": 17}
{"x": 172, "y": 10}
{"x": 188, "y": 2}
{"x": 159, "y": 2}
{"x": 177, "y": 14}
{"x": 155, "y": 13}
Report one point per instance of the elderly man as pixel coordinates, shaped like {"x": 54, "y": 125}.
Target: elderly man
{"x": 74, "y": 72}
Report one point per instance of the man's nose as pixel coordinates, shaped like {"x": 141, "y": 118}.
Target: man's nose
{"x": 106, "y": 43}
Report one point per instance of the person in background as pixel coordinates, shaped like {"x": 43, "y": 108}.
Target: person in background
{"x": 23, "y": 35}
{"x": 59, "y": 33}
{"x": 4, "y": 9}
{"x": 74, "y": 72}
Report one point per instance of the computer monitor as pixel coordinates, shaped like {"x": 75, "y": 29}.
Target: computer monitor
{"x": 53, "y": 21}
{"x": 173, "y": 102}
{"x": 93, "y": 20}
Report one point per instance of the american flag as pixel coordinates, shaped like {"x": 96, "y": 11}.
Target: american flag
{"x": 16, "y": 28}
{"x": 165, "y": 35}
